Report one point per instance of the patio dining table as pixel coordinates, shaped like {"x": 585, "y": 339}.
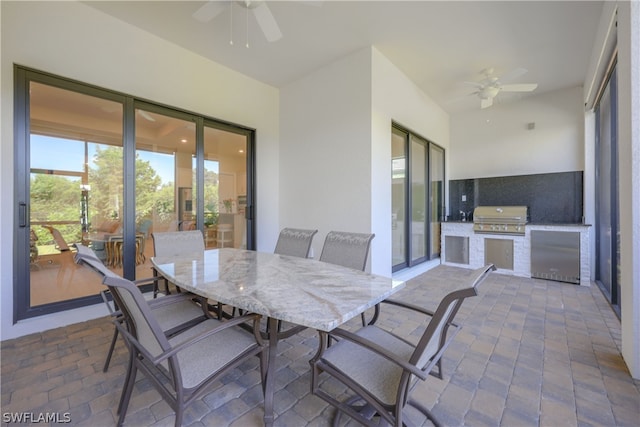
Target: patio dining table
{"x": 301, "y": 291}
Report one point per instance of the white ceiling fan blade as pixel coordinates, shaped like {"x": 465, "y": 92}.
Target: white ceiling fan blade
{"x": 513, "y": 74}
{"x": 485, "y": 103}
{"x": 267, "y": 22}
{"x": 522, "y": 87}
{"x": 209, "y": 10}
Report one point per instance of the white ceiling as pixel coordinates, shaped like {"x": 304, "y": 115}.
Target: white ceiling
{"x": 438, "y": 45}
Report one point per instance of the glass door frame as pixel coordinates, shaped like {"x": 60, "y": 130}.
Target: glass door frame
{"x": 23, "y": 76}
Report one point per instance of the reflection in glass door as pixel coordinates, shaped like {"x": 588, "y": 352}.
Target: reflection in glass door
{"x": 75, "y": 189}
{"x": 225, "y": 191}
{"x": 165, "y": 172}
{"x": 107, "y": 170}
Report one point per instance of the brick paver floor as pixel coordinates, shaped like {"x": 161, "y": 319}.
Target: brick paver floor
{"x": 531, "y": 353}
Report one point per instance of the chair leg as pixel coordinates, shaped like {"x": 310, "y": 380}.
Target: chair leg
{"x": 126, "y": 392}
{"x": 425, "y": 411}
{"x": 125, "y": 385}
{"x": 111, "y": 348}
{"x": 179, "y": 413}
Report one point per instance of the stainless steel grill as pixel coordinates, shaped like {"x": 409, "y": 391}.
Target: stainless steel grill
{"x": 500, "y": 219}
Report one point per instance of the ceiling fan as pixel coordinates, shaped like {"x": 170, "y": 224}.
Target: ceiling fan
{"x": 490, "y": 86}
{"x": 260, "y": 10}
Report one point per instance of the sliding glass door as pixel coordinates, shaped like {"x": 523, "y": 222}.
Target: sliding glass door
{"x": 607, "y": 219}
{"x": 74, "y": 178}
{"x": 225, "y": 191}
{"x": 417, "y": 198}
{"x": 106, "y": 170}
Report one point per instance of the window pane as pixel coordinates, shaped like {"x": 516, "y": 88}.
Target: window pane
{"x": 436, "y": 170}
{"x": 75, "y": 188}
{"x": 418, "y": 198}
{"x": 165, "y": 180}
{"x": 398, "y": 196}
{"x": 225, "y": 188}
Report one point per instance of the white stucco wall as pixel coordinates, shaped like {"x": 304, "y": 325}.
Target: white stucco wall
{"x": 496, "y": 141}
{"x": 335, "y": 163}
{"x": 76, "y": 41}
{"x": 325, "y": 176}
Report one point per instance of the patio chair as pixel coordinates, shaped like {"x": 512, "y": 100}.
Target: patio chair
{"x": 61, "y": 244}
{"x": 182, "y": 368}
{"x": 295, "y": 242}
{"x": 171, "y": 244}
{"x": 174, "y": 313}
{"x": 380, "y": 368}
{"x": 348, "y": 250}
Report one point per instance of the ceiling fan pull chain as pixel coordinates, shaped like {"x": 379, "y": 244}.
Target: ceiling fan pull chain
{"x": 231, "y": 23}
{"x": 247, "y": 45}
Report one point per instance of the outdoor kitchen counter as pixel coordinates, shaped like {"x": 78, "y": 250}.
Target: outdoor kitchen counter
{"x": 461, "y": 232}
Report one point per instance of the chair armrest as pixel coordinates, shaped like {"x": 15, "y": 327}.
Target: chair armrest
{"x": 146, "y": 280}
{"x": 376, "y": 348}
{"x": 414, "y": 307}
{"x": 408, "y": 306}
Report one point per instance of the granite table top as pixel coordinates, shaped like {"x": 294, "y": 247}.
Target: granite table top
{"x": 302, "y": 291}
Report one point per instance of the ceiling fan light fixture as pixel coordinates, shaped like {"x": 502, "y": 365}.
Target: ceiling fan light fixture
{"x": 489, "y": 92}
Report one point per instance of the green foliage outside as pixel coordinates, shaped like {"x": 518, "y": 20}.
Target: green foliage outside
{"x": 58, "y": 198}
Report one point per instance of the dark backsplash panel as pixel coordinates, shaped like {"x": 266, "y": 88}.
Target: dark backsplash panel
{"x": 554, "y": 198}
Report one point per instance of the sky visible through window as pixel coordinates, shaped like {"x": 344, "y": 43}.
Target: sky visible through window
{"x": 61, "y": 154}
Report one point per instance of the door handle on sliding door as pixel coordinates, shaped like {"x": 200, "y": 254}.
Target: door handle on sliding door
{"x": 22, "y": 214}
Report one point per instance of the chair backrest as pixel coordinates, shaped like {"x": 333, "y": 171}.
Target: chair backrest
{"x": 141, "y": 322}
{"x": 347, "y": 249}
{"x": 432, "y": 343}
{"x": 86, "y": 256}
{"x": 129, "y": 299}
{"x": 144, "y": 227}
{"x": 57, "y": 237}
{"x": 175, "y": 243}
{"x": 295, "y": 242}
{"x": 83, "y": 251}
